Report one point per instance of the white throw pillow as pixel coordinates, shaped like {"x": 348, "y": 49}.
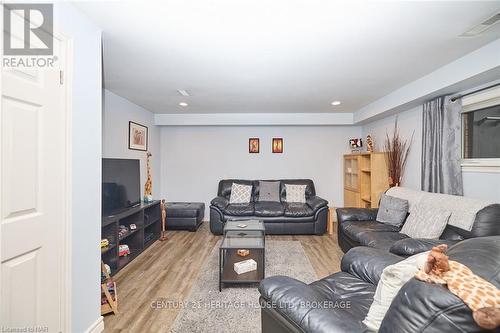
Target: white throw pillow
{"x": 426, "y": 223}
{"x": 240, "y": 193}
{"x": 391, "y": 281}
{"x": 295, "y": 193}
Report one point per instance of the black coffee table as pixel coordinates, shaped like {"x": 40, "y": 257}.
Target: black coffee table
{"x": 252, "y": 238}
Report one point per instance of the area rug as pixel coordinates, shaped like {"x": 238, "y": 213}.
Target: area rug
{"x": 236, "y": 308}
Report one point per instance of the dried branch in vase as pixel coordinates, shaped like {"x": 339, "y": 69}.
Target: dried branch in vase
{"x": 397, "y": 151}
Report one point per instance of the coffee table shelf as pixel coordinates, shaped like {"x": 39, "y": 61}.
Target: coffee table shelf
{"x": 251, "y": 238}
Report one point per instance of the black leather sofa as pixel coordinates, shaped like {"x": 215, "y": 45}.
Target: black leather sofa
{"x": 358, "y": 227}
{"x": 279, "y": 217}
{"x": 340, "y": 302}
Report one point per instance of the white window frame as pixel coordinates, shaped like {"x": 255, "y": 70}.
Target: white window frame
{"x": 475, "y": 102}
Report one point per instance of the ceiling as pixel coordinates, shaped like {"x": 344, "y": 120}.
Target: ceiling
{"x": 281, "y": 55}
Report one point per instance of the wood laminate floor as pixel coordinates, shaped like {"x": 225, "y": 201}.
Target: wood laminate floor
{"x": 167, "y": 270}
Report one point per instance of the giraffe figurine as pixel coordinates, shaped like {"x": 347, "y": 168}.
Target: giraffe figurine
{"x": 148, "y": 186}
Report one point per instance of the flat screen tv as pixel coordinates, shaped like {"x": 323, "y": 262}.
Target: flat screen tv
{"x": 120, "y": 185}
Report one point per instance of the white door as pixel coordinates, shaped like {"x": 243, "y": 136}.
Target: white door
{"x": 32, "y": 202}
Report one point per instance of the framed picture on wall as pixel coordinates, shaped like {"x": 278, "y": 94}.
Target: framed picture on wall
{"x": 137, "y": 136}
{"x": 253, "y": 145}
{"x": 277, "y": 145}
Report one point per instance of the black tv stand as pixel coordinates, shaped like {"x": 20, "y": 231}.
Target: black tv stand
{"x": 146, "y": 217}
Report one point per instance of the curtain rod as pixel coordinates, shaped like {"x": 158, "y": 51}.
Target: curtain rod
{"x": 454, "y": 98}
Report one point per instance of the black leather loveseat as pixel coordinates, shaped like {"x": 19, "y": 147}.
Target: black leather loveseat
{"x": 279, "y": 217}
{"x": 358, "y": 227}
{"x": 339, "y": 303}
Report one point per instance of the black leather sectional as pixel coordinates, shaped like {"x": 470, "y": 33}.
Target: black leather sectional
{"x": 358, "y": 227}
{"x": 279, "y": 217}
{"x": 339, "y": 303}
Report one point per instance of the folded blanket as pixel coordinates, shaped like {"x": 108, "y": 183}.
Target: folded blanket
{"x": 463, "y": 210}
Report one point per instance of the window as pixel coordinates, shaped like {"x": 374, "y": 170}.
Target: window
{"x": 481, "y": 131}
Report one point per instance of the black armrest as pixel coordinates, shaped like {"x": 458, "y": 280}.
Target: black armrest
{"x": 356, "y": 214}
{"x": 220, "y": 202}
{"x": 289, "y": 297}
{"x": 316, "y": 202}
{"x": 411, "y": 246}
{"x": 367, "y": 263}
{"x": 272, "y": 286}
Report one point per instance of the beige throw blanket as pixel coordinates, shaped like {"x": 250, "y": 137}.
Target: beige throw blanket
{"x": 463, "y": 210}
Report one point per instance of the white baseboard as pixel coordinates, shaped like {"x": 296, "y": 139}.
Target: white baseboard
{"x": 96, "y": 327}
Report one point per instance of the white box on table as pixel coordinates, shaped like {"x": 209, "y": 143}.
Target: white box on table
{"x": 245, "y": 266}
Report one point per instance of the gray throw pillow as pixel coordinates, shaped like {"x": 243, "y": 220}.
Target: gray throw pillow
{"x": 269, "y": 191}
{"x": 392, "y": 210}
{"x": 426, "y": 223}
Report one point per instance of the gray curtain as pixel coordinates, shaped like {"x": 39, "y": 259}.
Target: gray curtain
{"x": 441, "y": 146}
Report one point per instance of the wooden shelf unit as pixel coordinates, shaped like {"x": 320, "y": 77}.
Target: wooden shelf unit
{"x": 146, "y": 217}
{"x": 110, "y": 296}
{"x": 365, "y": 179}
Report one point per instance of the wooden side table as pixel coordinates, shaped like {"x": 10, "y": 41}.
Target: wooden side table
{"x": 332, "y": 218}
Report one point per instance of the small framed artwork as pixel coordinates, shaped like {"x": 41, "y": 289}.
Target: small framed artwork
{"x": 277, "y": 145}
{"x": 356, "y": 144}
{"x": 253, "y": 145}
{"x": 137, "y": 136}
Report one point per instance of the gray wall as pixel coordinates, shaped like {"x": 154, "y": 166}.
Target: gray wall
{"x": 408, "y": 122}
{"x": 86, "y": 164}
{"x": 482, "y": 185}
{"x": 479, "y": 185}
{"x": 117, "y": 113}
{"x": 195, "y": 158}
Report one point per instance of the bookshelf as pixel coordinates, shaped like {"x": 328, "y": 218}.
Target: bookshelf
{"x": 365, "y": 179}
{"x": 146, "y": 217}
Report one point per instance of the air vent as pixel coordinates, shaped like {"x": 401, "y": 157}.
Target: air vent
{"x": 482, "y": 27}
{"x": 492, "y": 20}
{"x": 183, "y": 92}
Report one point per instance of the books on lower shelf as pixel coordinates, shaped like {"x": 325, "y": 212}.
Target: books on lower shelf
{"x": 245, "y": 266}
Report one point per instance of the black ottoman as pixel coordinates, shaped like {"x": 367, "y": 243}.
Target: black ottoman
{"x": 185, "y": 215}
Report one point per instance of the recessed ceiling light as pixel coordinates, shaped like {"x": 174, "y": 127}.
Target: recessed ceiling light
{"x": 336, "y": 103}
{"x": 183, "y": 104}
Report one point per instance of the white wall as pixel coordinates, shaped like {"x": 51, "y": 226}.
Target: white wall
{"x": 408, "y": 122}
{"x": 86, "y": 164}
{"x": 194, "y": 159}
{"x": 478, "y": 185}
{"x": 117, "y": 112}
{"x": 482, "y": 185}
